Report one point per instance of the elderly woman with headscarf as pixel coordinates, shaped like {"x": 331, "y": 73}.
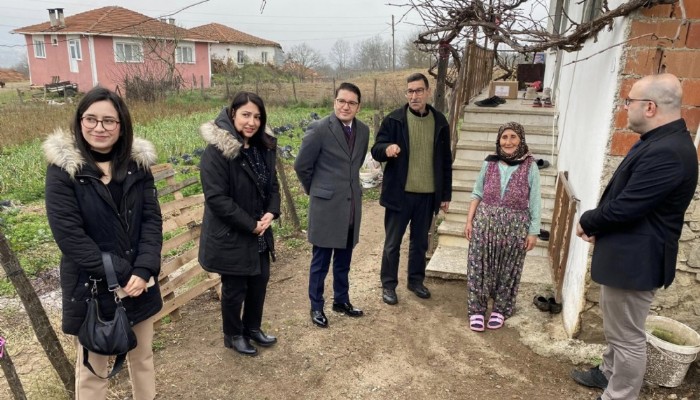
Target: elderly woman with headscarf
{"x": 502, "y": 225}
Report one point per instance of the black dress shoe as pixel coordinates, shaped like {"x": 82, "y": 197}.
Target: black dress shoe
{"x": 420, "y": 290}
{"x": 389, "y": 296}
{"x": 319, "y": 318}
{"x": 347, "y": 309}
{"x": 259, "y": 337}
{"x": 241, "y": 344}
{"x": 593, "y": 378}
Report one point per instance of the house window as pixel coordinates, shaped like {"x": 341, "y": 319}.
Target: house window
{"x": 241, "y": 57}
{"x": 184, "y": 54}
{"x": 39, "y": 47}
{"x": 592, "y": 10}
{"x": 54, "y": 40}
{"x": 263, "y": 57}
{"x": 128, "y": 52}
{"x": 74, "y": 49}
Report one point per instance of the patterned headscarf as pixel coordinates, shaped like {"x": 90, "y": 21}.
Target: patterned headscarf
{"x": 521, "y": 153}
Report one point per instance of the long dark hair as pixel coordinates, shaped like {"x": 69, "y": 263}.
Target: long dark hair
{"x": 121, "y": 152}
{"x": 260, "y": 139}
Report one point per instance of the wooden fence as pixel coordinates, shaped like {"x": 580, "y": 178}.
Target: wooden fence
{"x": 474, "y": 75}
{"x": 181, "y": 277}
{"x": 560, "y": 235}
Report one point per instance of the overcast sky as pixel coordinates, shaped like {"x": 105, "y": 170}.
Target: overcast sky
{"x": 319, "y": 23}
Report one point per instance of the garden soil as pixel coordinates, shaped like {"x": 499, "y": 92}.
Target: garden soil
{"x": 417, "y": 349}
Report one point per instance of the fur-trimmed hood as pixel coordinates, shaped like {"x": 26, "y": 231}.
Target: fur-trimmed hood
{"x": 222, "y": 139}
{"x": 61, "y": 150}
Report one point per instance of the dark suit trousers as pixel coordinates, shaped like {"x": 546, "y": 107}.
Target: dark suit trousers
{"x": 245, "y": 293}
{"x": 417, "y": 209}
{"x": 320, "y": 263}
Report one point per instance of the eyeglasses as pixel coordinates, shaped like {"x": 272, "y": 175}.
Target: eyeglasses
{"x": 342, "y": 103}
{"x": 628, "y": 101}
{"x": 411, "y": 92}
{"x": 107, "y": 124}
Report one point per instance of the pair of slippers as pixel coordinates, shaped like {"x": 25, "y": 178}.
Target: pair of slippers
{"x": 476, "y": 322}
{"x": 546, "y": 304}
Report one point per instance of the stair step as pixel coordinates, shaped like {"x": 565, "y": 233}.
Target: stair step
{"x": 491, "y": 147}
{"x": 513, "y": 110}
{"x": 543, "y": 135}
{"x": 467, "y": 186}
{"x": 459, "y": 209}
{"x": 449, "y": 262}
{"x": 468, "y": 170}
{"x": 451, "y": 233}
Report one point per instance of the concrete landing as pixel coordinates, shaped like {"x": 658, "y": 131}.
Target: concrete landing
{"x": 449, "y": 262}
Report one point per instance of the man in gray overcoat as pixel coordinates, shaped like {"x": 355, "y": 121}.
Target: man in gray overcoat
{"x": 328, "y": 166}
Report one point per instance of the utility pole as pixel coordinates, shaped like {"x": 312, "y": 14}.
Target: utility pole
{"x": 393, "y": 46}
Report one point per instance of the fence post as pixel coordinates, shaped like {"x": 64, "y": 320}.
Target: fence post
{"x": 8, "y": 369}
{"x": 288, "y": 199}
{"x": 37, "y": 316}
{"x": 201, "y": 85}
{"x": 294, "y": 89}
{"x": 374, "y": 98}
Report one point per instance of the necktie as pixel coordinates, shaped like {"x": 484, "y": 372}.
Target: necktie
{"x": 348, "y": 132}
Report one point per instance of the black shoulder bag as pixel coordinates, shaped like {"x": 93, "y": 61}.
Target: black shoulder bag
{"x": 109, "y": 338}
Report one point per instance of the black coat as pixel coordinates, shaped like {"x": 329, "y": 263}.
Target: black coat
{"x": 233, "y": 202}
{"x": 85, "y": 223}
{"x": 639, "y": 219}
{"x": 394, "y": 130}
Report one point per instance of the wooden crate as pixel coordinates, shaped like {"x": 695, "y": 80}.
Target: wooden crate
{"x": 181, "y": 277}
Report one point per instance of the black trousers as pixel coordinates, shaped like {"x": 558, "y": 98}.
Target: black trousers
{"x": 247, "y": 294}
{"x": 417, "y": 209}
{"x": 320, "y": 263}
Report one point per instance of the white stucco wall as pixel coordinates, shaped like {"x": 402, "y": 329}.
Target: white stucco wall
{"x": 586, "y": 96}
{"x": 253, "y": 53}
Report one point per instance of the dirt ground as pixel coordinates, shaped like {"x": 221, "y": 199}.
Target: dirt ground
{"x": 414, "y": 350}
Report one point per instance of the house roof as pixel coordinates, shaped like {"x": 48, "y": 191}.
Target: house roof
{"x": 224, "y": 34}
{"x": 114, "y": 21}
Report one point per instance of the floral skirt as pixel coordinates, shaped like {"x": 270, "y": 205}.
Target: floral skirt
{"x": 496, "y": 258}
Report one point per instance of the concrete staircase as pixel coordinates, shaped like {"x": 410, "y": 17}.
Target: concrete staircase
{"x": 477, "y": 139}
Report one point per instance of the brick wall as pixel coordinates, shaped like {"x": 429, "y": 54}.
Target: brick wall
{"x": 653, "y": 54}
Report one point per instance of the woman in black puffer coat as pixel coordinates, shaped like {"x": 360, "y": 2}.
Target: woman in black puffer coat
{"x": 101, "y": 198}
{"x": 241, "y": 200}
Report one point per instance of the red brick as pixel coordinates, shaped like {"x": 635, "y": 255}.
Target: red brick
{"x": 664, "y": 30}
{"x": 693, "y": 40}
{"x": 682, "y": 63}
{"x": 691, "y": 115}
{"x": 664, "y": 10}
{"x": 620, "y": 118}
{"x": 622, "y": 141}
{"x": 692, "y": 9}
{"x": 691, "y": 92}
{"x": 640, "y": 61}
{"x": 626, "y": 86}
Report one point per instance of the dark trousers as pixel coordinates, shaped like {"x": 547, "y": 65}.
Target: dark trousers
{"x": 320, "y": 262}
{"x": 417, "y": 209}
{"x": 246, "y": 293}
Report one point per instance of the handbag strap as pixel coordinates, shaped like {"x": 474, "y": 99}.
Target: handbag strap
{"x": 118, "y": 364}
{"x": 112, "y": 283}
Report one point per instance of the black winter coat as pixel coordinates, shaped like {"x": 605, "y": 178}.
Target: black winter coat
{"x": 85, "y": 223}
{"x": 394, "y": 130}
{"x": 640, "y": 216}
{"x": 234, "y": 202}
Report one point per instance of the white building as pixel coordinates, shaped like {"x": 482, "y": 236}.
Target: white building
{"x": 240, "y": 47}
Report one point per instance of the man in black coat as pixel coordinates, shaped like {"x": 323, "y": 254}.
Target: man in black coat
{"x": 414, "y": 141}
{"x": 636, "y": 228}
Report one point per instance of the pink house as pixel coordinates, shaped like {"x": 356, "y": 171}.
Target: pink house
{"x": 111, "y": 46}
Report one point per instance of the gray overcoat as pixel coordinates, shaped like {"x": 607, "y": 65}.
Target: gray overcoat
{"x": 330, "y": 174}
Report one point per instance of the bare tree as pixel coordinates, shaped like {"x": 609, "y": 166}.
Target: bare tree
{"x": 414, "y": 55}
{"x": 340, "y": 55}
{"x": 302, "y": 59}
{"x": 514, "y": 23}
{"x": 373, "y": 54}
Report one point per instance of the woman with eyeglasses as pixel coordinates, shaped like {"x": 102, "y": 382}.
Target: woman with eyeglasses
{"x": 242, "y": 199}
{"x": 101, "y": 199}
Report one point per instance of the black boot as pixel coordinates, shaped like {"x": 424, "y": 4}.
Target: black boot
{"x": 241, "y": 344}
{"x": 259, "y": 337}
